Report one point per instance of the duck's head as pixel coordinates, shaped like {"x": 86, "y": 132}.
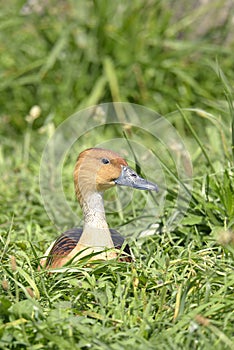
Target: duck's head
{"x": 98, "y": 169}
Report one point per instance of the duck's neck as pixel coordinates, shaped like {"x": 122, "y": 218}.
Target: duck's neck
{"x": 95, "y": 231}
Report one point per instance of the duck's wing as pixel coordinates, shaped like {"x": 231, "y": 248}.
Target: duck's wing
{"x": 119, "y": 241}
{"x": 68, "y": 240}
{"x": 61, "y": 247}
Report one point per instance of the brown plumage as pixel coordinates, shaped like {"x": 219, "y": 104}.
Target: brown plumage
{"x": 96, "y": 170}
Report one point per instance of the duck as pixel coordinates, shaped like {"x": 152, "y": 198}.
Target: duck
{"x": 96, "y": 170}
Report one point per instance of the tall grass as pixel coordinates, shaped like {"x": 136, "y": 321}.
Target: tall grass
{"x": 69, "y": 56}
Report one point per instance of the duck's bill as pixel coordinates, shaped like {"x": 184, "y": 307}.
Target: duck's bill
{"x": 130, "y": 178}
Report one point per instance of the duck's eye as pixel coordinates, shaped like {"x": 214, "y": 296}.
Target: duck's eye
{"x": 105, "y": 161}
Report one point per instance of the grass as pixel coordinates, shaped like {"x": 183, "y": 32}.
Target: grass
{"x": 178, "y": 294}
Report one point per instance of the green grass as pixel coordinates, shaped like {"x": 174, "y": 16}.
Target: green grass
{"x": 179, "y": 293}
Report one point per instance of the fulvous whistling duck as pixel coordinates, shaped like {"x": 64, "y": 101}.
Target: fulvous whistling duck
{"x": 96, "y": 170}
